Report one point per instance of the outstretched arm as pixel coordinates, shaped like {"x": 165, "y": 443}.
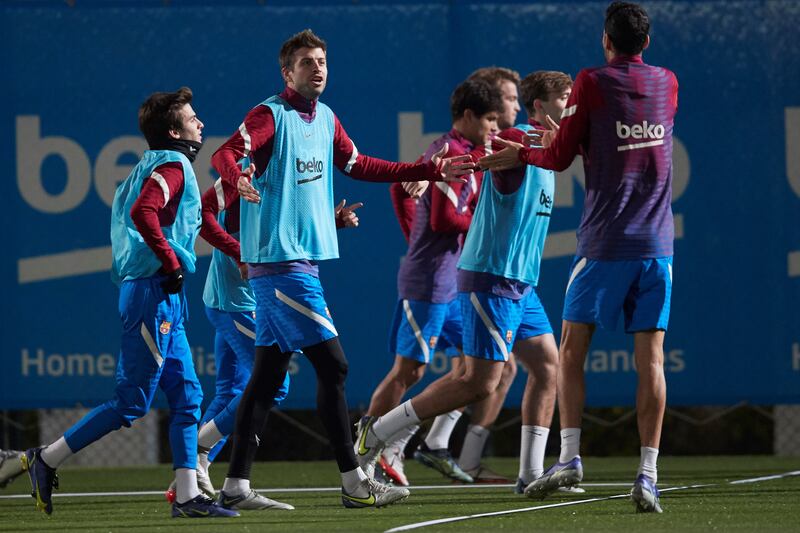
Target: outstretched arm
{"x": 363, "y": 167}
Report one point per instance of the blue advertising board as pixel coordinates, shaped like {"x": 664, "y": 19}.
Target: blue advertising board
{"x": 75, "y": 76}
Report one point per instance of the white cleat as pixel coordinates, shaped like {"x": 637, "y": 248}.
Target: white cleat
{"x": 378, "y": 495}
{"x": 203, "y": 479}
{"x": 392, "y": 464}
{"x": 251, "y": 501}
{"x": 367, "y": 456}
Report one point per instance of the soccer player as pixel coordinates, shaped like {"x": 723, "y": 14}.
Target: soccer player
{"x": 294, "y": 141}
{"x": 621, "y": 117}
{"x": 485, "y": 412}
{"x": 155, "y": 219}
{"x": 230, "y": 307}
{"x": 427, "y": 316}
{"x": 544, "y": 93}
{"x": 497, "y": 275}
{"x": 507, "y": 80}
{"x": 10, "y": 466}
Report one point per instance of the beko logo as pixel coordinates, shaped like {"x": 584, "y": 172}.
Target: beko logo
{"x": 640, "y": 131}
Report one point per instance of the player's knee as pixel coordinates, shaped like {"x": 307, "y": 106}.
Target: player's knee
{"x": 185, "y": 416}
{"x": 508, "y": 375}
{"x": 129, "y": 413}
{"x": 340, "y": 370}
{"x": 481, "y": 385}
{"x": 408, "y": 375}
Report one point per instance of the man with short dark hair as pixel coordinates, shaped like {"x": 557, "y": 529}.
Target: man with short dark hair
{"x": 287, "y": 226}
{"x": 427, "y": 315}
{"x": 155, "y": 219}
{"x": 621, "y": 116}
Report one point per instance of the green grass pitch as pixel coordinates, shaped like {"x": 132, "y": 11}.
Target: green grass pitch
{"x": 766, "y": 505}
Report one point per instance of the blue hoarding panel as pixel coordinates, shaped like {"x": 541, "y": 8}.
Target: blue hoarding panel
{"x": 74, "y": 78}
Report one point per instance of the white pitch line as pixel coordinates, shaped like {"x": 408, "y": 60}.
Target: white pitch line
{"x": 765, "y": 478}
{"x": 292, "y": 490}
{"x": 577, "y": 502}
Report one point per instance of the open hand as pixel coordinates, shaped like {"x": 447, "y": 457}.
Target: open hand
{"x": 452, "y": 168}
{"x": 506, "y": 158}
{"x": 245, "y": 185}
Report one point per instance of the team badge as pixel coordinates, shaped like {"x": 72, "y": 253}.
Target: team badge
{"x": 509, "y": 336}
{"x": 165, "y": 327}
{"x": 432, "y": 342}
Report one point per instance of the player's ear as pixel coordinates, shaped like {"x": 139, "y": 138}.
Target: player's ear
{"x": 607, "y": 43}
{"x": 646, "y": 42}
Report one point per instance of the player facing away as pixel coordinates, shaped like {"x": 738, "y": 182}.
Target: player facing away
{"x": 427, "y": 316}
{"x": 155, "y": 219}
{"x": 621, "y": 117}
{"x": 294, "y": 141}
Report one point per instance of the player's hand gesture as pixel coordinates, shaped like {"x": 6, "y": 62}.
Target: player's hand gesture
{"x": 348, "y": 214}
{"x": 506, "y": 158}
{"x": 245, "y": 186}
{"x": 452, "y": 168}
{"x": 550, "y": 134}
{"x": 243, "y": 271}
{"x": 415, "y": 189}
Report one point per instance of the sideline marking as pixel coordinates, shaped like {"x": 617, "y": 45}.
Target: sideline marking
{"x": 579, "y": 502}
{"x": 296, "y": 490}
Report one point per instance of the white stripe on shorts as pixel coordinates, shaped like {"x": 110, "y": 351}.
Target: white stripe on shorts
{"x": 316, "y": 317}
{"x": 244, "y": 330}
{"x": 151, "y": 345}
{"x": 489, "y": 325}
{"x": 417, "y": 333}
{"x": 575, "y": 271}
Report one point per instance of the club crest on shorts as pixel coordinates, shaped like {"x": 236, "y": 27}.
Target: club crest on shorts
{"x": 433, "y": 341}
{"x": 509, "y": 335}
{"x": 165, "y": 327}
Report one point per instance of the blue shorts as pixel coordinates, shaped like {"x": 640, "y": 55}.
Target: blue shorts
{"x": 421, "y": 328}
{"x": 599, "y": 290}
{"x": 492, "y": 324}
{"x": 291, "y": 311}
{"x": 234, "y": 351}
